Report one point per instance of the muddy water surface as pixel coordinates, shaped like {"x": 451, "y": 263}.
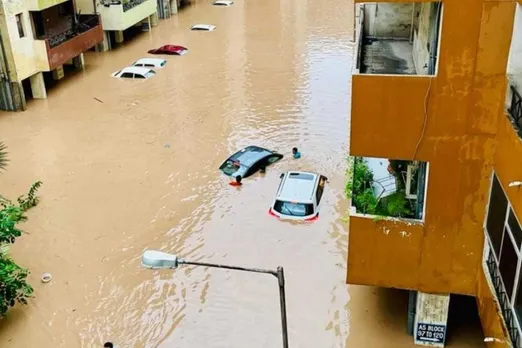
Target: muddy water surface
{"x": 139, "y": 170}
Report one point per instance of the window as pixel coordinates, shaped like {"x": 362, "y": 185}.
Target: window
{"x": 496, "y": 215}
{"x": 320, "y": 189}
{"x": 504, "y": 258}
{"x": 293, "y": 209}
{"x": 508, "y": 264}
{"x": 126, "y": 75}
{"x": 138, "y": 76}
{"x": 515, "y": 228}
{"x": 20, "y": 25}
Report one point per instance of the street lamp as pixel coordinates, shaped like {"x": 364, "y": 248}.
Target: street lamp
{"x": 155, "y": 259}
{"x": 493, "y": 339}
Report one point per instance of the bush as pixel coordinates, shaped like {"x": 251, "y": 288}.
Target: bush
{"x": 360, "y": 190}
{"x": 13, "y": 286}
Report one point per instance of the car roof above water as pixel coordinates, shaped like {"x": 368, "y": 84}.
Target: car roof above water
{"x": 298, "y": 187}
{"x": 136, "y": 70}
{"x": 250, "y": 155}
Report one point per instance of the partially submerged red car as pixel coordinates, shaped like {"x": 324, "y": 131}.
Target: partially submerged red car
{"x": 170, "y": 50}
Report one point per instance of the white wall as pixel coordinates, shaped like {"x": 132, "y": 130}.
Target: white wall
{"x": 421, "y": 55}
{"x": 388, "y": 20}
{"x": 514, "y": 68}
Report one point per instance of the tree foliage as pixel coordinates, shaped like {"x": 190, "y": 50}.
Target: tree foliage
{"x": 361, "y": 191}
{"x": 13, "y": 285}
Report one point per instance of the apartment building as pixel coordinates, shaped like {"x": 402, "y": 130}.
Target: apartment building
{"x": 436, "y": 200}
{"x": 37, "y": 38}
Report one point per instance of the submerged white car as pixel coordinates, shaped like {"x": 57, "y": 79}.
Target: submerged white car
{"x": 134, "y": 72}
{"x": 150, "y": 63}
{"x": 203, "y": 27}
{"x": 223, "y": 3}
{"x": 298, "y": 196}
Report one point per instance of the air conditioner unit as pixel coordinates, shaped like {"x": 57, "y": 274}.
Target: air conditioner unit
{"x": 411, "y": 172}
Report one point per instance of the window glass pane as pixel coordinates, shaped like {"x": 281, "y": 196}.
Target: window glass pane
{"x": 508, "y": 264}
{"x": 496, "y": 214}
{"x": 518, "y": 300}
{"x": 515, "y": 228}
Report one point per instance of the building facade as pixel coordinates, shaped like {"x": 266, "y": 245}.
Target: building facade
{"x": 39, "y": 37}
{"x": 433, "y": 140}
{"x": 120, "y": 15}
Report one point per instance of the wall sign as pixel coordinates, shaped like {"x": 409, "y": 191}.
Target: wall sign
{"x": 431, "y": 333}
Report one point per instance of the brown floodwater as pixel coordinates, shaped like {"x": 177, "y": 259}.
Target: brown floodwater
{"x": 138, "y": 169}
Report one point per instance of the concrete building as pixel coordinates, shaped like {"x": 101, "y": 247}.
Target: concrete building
{"x": 436, "y": 198}
{"x": 37, "y": 37}
{"x": 120, "y": 15}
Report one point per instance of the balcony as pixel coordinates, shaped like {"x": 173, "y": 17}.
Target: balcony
{"x": 398, "y": 38}
{"x": 68, "y": 43}
{"x": 118, "y": 15}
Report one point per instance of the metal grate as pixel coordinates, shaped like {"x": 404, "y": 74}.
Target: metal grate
{"x": 503, "y": 299}
{"x": 131, "y": 4}
{"x": 515, "y": 110}
{"x": 85, "y": 23}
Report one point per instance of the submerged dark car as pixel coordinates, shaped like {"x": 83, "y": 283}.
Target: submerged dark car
{"x": 248, "y": 161}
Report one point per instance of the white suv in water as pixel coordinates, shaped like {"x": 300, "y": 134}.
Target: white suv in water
{"x": 298, "y": 196}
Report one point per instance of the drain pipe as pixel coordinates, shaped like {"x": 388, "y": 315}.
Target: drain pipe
{"x": 412, "y": 20}
{"x": 412, "y": 310}
{"x": 434, "y": 46}
{"x": 8, "y": 73}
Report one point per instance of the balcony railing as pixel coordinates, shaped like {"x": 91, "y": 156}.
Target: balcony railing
{"x": 85, "y": 23}
{"x": 515, "y": 110}
{"x": 131, "y": 4}
{"x": 503, "y": 299}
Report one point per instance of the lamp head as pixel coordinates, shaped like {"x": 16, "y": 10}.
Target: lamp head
{"x": 156, "y": 259}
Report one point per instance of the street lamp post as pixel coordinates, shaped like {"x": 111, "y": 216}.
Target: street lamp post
{"x": 155, "y": 259}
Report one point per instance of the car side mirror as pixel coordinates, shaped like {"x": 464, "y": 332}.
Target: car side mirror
{"x": 281, "y": 176}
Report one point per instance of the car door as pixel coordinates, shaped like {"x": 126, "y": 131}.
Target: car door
{"x": 320, "y": 189}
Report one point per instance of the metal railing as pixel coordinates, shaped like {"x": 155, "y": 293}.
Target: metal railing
{"x": 515, "y": 110}
{"x": 504, "y": 301}
{"x": 83, "y": 24}
{"x": 131, "y": 4}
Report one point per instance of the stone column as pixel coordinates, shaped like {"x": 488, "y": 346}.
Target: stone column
{"x": 105, "y": 45}
{"x": 153, "y": 20}
{"x": 79, "y": 61}
{"x": 431, "y": 319}
{"x": 173, "y": 7}
{"x": 38, "y": 86}
{"x": 58, "y": 73}
{"x": 118, "y": 36}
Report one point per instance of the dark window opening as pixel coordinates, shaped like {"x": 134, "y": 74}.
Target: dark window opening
{"x": 293, "y": 209}
{"x": 508, "y": 264}
{"x": 496, "y": 214}
{"x": 20, "y": 25}
{"x": 516, "y": 231}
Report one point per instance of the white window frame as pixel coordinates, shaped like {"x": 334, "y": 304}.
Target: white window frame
{"x": 490, "y": 248}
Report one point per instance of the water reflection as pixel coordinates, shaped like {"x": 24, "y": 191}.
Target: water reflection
{"x": 139, "y": 170}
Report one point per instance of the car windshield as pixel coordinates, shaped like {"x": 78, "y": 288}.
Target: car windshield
{"x": 150, "y": 74}
{"x": 293, "y": 208}
{"x": 232, "y": 169}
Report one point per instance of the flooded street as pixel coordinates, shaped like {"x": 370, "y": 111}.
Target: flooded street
{"x": 139, "y": 170}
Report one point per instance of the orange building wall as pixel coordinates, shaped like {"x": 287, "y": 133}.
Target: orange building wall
{"x": 464, "y": 102}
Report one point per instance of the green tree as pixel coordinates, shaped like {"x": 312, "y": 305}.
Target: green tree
{"x": 13, "y": 285}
